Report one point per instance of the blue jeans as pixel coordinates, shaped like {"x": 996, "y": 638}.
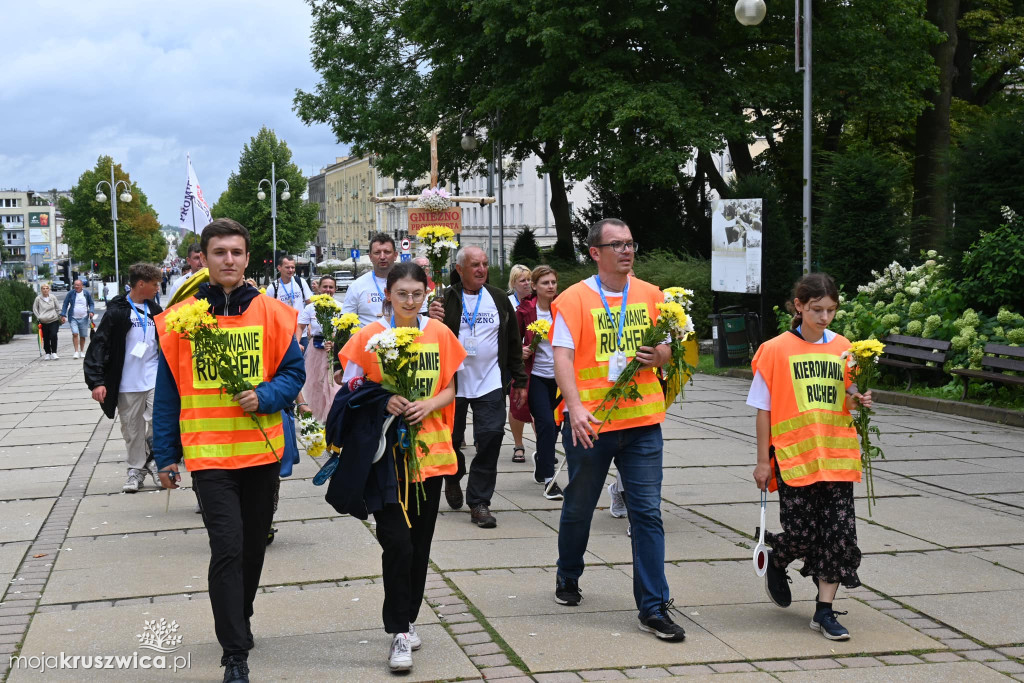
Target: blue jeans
{"x": 541, "y": 398}
{"x": 637, "y": 453}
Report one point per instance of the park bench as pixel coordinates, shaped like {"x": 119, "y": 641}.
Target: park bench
{"x": 998, "y": 360}
{"x": 912, "y": 354}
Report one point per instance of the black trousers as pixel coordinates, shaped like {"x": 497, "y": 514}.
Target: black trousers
{"x": 488, "y": 429}
{"x": 819, "y": 526}
{"x": 238, "y": 507}
{"x": 406, "y": 552}
{"x": 50, "y": 336}
{"x": 541, "y": 398}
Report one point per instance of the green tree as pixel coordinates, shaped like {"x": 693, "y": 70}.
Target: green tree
{"x": 185, "y": 242}
{"x": 525, "y": 250}
{"x": 860, "y": 197}
{"x": 89, "y": 230}
{"x": 297, "y": 221}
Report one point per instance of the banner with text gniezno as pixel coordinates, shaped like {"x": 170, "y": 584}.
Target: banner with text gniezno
{"x": 449, "y": 218}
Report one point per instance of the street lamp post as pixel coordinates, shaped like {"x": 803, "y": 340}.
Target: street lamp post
{"x": 125, "y": 197}
{"x": 261, "y": 195}
{"x": 750, "y": 13}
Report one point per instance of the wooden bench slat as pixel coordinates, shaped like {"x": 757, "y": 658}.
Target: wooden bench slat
{"x": 908, "y": 365}
{"x": 1002, "y": 350}
{"x": 918, "y": 341}
{"x": 1003, "y": 363}
{"x": 983, "y": 374}
{"x": 920, "y": 354}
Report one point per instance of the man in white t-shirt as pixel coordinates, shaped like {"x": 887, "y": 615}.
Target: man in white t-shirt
{"x": 290, "y": 290}
{"x": 120, "y": 368}
{"x": 484, "y": 321}
{"x": 365, "y": 296}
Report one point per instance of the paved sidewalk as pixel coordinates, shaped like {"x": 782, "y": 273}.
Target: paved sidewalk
{"x": 86, "y": 567}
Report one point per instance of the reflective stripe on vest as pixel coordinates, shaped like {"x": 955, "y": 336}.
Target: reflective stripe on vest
{"x": 215, "y": 432}
{"x": 812, "y": 431}
{"x": 596, "y": 332}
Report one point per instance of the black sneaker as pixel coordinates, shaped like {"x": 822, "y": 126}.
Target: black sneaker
{"x": 553, "y": 492}
{"x": 660, "y": 624}
{"x": 567, "y": 591}
{"x": 825, "y": 621}
{"x": 536, "y": 469}
{"x": 776, "y": 583}
{"x": 236, "y": 669}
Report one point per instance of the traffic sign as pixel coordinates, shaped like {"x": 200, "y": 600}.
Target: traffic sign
{"x": 406, "y": 257}
{"x": 354, "y": 253}
{"x": 406, "y": 245}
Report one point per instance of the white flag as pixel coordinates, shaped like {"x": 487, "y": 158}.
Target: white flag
{"x": 195, "y": 212}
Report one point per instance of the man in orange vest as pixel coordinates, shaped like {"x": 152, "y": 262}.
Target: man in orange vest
{"x": 598, "y": 326}
{"x": 234, "y": 471}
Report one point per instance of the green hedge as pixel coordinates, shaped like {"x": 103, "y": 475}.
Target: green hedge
{"x": 15, "y": 297}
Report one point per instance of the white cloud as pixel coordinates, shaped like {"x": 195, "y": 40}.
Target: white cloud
{"x": 148, "y": 81}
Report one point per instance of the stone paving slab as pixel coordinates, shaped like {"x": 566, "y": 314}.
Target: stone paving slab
{"x": 20, "y": 520}
{"x": 917, "y": 673}
{"x": 177, "y": 563}
{"x": 453, "y": 526}
{"x": 319, "y": 633}
{"x": 975, "y": 484}
{"x": 49, "y": 455}
{"x": 34, "y": 436}
{"x": 915, "y": 574}
{"x": 948, "y": 522}
{"x": 996, "y": 618}
{"x": 763, "y": 631}
{"x": 36, "y": 482}
{"x": 512, "y": 595}
{"x": 147, "y": 510}
{"x": 697, "y": 545}
{"x": 77, "y": 417}
{"x": 1012, "y": 556}
{"x": 498, "y": 553}
{"x": 594, "y": 640}
{"x": 698, "y": 584}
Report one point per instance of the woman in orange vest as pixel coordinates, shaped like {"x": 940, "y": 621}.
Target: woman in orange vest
{"x": 807, "y": 448}
{"x": 406, "y": 545}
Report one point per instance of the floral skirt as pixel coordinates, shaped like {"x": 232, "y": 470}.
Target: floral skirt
{"x": 819, "y": 526}
{"x": 320, "y": 388}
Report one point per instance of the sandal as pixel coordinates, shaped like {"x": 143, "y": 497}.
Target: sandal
{"x": 519, "y": 454}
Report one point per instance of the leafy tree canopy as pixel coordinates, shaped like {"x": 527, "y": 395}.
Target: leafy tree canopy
{"x": 297, "y": 221}
{"x": 89, "y": 229}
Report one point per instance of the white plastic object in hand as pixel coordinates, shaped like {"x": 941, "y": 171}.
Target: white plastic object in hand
{"x": 760, "y": 552}
{"x": 383, "y": 439}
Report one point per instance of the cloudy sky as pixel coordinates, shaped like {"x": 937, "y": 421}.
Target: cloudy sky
{"x": 146, "y": 81}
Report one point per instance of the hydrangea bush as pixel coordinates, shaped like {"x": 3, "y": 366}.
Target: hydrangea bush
{"x": 922, "y": 301}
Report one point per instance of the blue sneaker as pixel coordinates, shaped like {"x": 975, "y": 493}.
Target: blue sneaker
{"x": 825, "y": 621}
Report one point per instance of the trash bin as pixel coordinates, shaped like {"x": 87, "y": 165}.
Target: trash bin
{"x": 26, "y": 322}
{"x": 729, "y": 335}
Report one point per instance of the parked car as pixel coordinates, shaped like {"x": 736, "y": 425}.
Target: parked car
{"x": 59, "y": 286}
{"x": 343, "y": 279}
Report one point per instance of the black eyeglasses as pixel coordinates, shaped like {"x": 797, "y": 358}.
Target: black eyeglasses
{"x": 621, "y": 247}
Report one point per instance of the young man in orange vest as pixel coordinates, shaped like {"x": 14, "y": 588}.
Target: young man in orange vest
{"x": 234, "y": 471}
{"x": 593, "y": 341}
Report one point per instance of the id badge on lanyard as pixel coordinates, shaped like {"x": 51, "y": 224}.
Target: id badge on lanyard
{"x": 616, "y": 364}
{"x": 139, "y": 350}
{"x": 471, "y": 345}
{"x": 617, "y": 361}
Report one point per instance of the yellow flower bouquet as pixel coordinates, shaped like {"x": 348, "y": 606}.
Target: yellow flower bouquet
{"x": 540, "y": 329}
{"x": 439, "y": 242}
{"x": 195, "y": 323}
{"x": 862, "y": 361}
{"x": 673, "y": 324}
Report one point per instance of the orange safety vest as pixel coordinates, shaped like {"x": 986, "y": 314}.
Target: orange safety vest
{"x": 440, "y": 356}
{"x": 812, "y": 430}
{"x": 215, "y": 432}
{"x": 594, "y": 337}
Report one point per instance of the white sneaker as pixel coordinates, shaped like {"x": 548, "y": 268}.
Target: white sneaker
{"x": 76, "y": 354}
{"x": 414, "y": 638}
{"x": 46, "y": 356}
{"x": 54, "y": 356}
{"x": 618, "y": 506}
{"x": 400, "y": 658}
{"x": 134, "y": 481}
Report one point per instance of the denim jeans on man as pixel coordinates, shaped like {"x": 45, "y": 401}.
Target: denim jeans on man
{"x": 637, "y": 453}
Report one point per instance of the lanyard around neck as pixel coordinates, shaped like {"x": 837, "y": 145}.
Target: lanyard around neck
{"x": 480, "y": 296}
{"x": 608, "y": 310}
{"x": 143, "y": 315}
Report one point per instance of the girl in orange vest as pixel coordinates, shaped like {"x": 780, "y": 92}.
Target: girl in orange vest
{"x": 807, "y": 448}
{"x": 406, "y": 545}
